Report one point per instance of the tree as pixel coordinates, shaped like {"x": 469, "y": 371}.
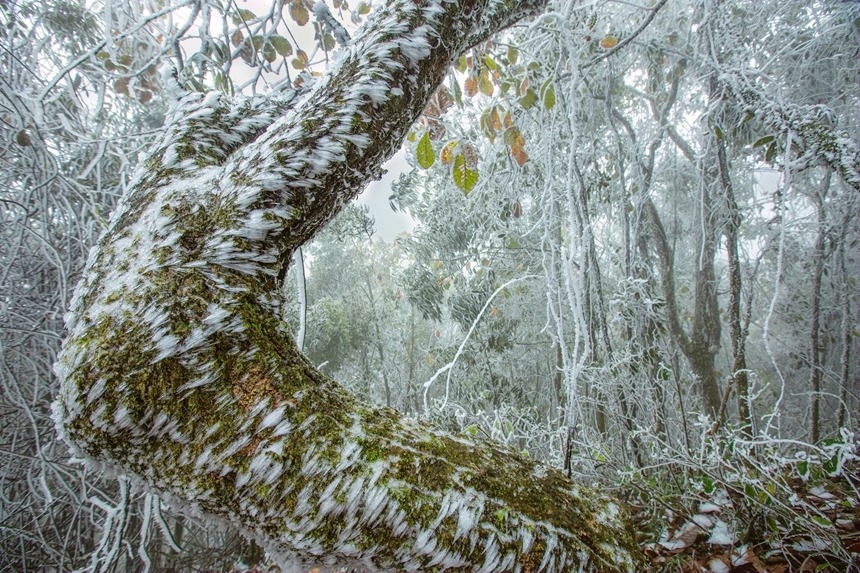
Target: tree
{"x": 178, "y": 370}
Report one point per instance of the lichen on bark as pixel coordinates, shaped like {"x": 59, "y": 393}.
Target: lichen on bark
{"x": 179, "y": 372}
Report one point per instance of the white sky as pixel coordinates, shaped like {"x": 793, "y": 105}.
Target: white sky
{"x": 389, "y": 223}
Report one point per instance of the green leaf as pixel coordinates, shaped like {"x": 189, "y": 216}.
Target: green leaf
{"x": 281, "y": 45}
{"x": 528, "y": 100}
{"x": 490, "y": 63}
{"x": 548, "y": 95}
{"x": 244, "y": 15}
{"x": 822, "y": 521}
{"x": 770, "y": 154}
{"x": 471, "y": 430}
{"x": 763, "y": 140}
{"x": 464, "y": 177}
{"x": 484, "y": 83}
{"x": 425, "y": 153}
{"x": 513, "y": 55}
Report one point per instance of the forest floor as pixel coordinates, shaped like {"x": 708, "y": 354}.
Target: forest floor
{"x": 816, "y": 530}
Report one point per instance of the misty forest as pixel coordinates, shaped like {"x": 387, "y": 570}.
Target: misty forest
{"x": 429, "y": 285}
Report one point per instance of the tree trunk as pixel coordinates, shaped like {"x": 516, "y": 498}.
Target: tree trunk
{"x": 815, "y": 318}
{"x": 179, "y": 372}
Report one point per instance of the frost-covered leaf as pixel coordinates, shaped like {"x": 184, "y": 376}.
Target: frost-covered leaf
{"x": 609, "y": 41}
{"x": 424, "y": 153}
{"x": 484, "y": 83}
{"x": 471, "y": 86}
{"x": 447, "y": 154}
{"x": 243, "y": 15}
{"x": 529, "y": 99}
{"x": 464, "y": 177}
{"x": 548, "y": 95}
{"x": 300, "y": 62}
{"x": 299, "y": 13}
{"x": 281, "y": 45}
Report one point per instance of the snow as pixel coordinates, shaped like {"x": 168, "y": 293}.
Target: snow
{"x": 718, "y": 566}
{"x": 721, "y": 535}
{"x": 707, "y": 507}
{"x": 702, "y": 521}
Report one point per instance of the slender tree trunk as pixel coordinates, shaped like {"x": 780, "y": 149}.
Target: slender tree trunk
{"x": 815, "y": 318}
{"x": 740, "y": 379}
{"x": 179, "y": 372}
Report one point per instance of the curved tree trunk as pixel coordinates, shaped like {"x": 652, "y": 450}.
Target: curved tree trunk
{"x": 179, "y": 372}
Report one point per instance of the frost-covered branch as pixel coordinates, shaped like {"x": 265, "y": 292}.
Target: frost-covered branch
{"x": 179, "y": 372}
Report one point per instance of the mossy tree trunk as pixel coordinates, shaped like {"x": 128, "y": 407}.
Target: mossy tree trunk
{"x": 179, "y": 372}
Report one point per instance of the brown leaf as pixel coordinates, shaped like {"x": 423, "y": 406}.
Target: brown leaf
{"x": 299, "y": 13}
{"x": 470, "y": 86}
{"x": 519, "y": 154}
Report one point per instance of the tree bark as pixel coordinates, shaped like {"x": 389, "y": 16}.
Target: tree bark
{"x": 179, "y": 372}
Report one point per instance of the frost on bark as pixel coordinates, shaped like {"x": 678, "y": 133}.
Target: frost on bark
{"x": 179, "y": 372}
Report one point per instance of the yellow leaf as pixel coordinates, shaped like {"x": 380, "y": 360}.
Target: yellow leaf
{"x": 447, "y": 154}
{"x": 299, "y": 13}
{"x": 609, "y": 41}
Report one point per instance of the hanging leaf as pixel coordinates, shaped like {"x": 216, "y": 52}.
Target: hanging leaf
{"x": 299, "y": 13}
{"x": 120, "y": 86}
{"x": 495, "y": 121}
{"x": 461, "y": 64}
{"x": 447, "y": 154}
{"x": 269, "y": 52}
{"x": 490, "y": 63}
{"x": 484, "y": 83}
{"x": 548, "y": 95}
{"x": 770, "y": 155}
{"x": 517, "y": 210}
{"x": 328, "y": 42}
{"x": 236, "y": 38}
{"x": 464, "y": 177}
{"x": 363, "y": 8}
{"x": 300, "y": 62}
{"x": 528, "y": 100}
{"x": 471, "y": 86}
{"x": 519, "y": 154}
{"x": 22, "y": 138}
{"x": 436, "y": 128}
{"x": 763, "y": 141}
{"x": 458, "y": 93}
{"x": 514, "y": 137}
{"x": 281, "y": 45}
{"x": 608, "y": 42}
{"x": 471, "y": 156}
{"x": 426, "y": 156}
{"x": 487, "y": 125}
{"x": 243, "y": 15}
{"x": 513, "y": 55}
